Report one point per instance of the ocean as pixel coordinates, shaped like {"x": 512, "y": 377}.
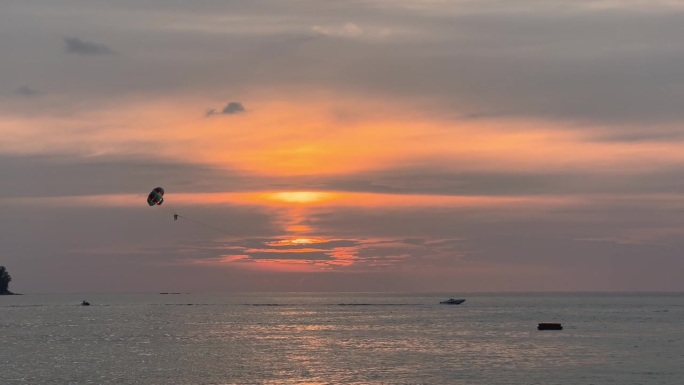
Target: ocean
{"x": 342, "y": 338}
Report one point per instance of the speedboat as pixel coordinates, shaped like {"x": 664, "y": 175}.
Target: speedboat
{"x": 452, "y": 301}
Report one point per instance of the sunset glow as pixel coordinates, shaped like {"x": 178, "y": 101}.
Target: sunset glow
{"x": 299, "y": 196}
{"x": 386, "y": 144}
{"x": 296, "y": 241}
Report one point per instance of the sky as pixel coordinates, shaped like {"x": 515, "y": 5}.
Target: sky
{"x": 349, "y": 145}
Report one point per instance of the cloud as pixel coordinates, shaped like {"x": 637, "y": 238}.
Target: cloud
{"x": 73, "y": 175}
{"x": 353, "y": 31}
{"x": 231, "y": 108}
{"x": 665, "y": 136}
{"x": 473, "y": 60}
{"x": 325, "y": 254}
{"x": 83, "y": 47}
{"x": 26, "y": 91}
{"x": 348, "y": 30}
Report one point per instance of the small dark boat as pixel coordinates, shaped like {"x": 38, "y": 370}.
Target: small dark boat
{"x": 85, "y": 303}
{"x": 549, "y": 326}
{"x": 452, "y": 301}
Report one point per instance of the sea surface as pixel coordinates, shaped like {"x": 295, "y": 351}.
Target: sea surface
{"x": 349, "y": 338}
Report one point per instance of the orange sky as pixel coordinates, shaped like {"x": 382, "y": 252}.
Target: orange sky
{"x": 312, "y": 136}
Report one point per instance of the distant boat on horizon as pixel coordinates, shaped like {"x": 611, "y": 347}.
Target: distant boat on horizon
{"x": 452, "y": 301}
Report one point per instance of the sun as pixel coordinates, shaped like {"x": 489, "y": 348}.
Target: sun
{"x": 300, "y": 196}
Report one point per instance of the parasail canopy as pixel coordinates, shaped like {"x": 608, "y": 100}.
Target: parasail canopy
{"x": 156, "y": 197}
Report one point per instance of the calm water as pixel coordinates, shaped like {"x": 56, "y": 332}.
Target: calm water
{"x": 341, "y": 339}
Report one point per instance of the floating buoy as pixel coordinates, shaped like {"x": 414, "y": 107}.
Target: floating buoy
{"x": 549, "y": 326}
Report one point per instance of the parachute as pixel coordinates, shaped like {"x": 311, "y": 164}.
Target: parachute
{"x": 156, "y": 197}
